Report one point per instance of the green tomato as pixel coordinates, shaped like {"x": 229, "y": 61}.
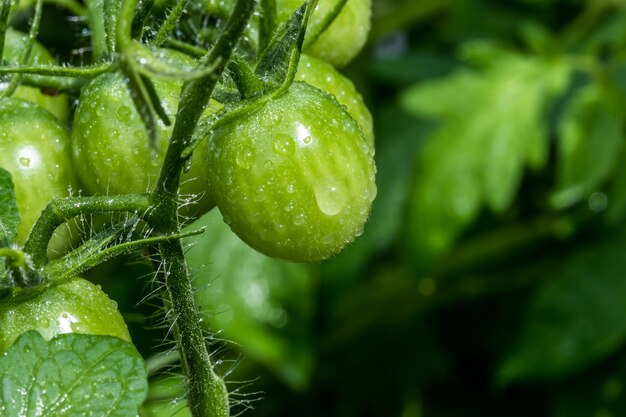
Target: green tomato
{"x": 15, "y": 43}
{"x": 111, "y": 147}
{"x": 294, "y": 179}
{"x": 343, "y": 39}
{"x": 324, "y": 76}
{"x": 35, "y": 149}
{"x": 72, "y": 306}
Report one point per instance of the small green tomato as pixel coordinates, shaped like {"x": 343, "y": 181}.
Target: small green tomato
{"x": 344, "y": 38}
{"x": 294, "y": 179}
{"x": 72, "y": 306}
{"x": 35, "y": 149}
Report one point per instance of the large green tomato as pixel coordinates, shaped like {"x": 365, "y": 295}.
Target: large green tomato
{"x": 324, "y": 76}
{"x": 345, "y": 36}
{"x": 294, "y": 179}
{"x": 15, "y": 43}
{"x": 72, "y": 306}
{"x": 111, "y": 148}
{"x": 35, "y": 149}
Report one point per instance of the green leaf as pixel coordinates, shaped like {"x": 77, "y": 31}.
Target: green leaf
{"x": 575, "y": 318}
{"x": 491, "y": 126}
{"x": 279, "y": 61}
{"x": 9, "y": 214}
{"x": 72, "y": 375}
{"x": 263, "y": 304}
{"x": 590, "y": 142}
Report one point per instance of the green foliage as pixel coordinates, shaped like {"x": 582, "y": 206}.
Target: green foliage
{"x": 42, "y": 378}
{"x": 576, "y": 316}
{"x": 491, "y": 127}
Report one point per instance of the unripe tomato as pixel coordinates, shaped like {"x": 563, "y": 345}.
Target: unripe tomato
{"x": 324, "y": 76}
{"x": 72, "y": 306}
{"x": 15, "y": 43}
{"x": 35, "y": 149}
{"x": 294, "y": 179}
{"x": 345, "y": 36}
{"x": 110, "y": 144}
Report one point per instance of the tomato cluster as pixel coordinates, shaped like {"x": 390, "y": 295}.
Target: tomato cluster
{"x": 293, "y": 174}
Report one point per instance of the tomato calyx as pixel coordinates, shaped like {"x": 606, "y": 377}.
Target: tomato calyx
{"x": 19, "y": 271}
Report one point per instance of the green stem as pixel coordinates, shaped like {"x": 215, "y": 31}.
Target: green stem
{"x": 207, "y": 395}
{"x": 170, "y": 23}
{"x": 59, "y": 211}
{"x": 15, "y": 258}
{"x": 57, "y": 71}
{"x": 185, "y": 48}
{"x": 56, "y": 84}
{"x": 315, "y": 32}
{"x": 96, "y": 16}
{"x": 32, "y": 34}
{"x": 268, "y": 22}
{"x": 246, "y": 80}
{"x": 5, "y": 8}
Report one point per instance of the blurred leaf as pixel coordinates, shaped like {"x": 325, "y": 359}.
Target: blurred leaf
{"x": 166, "y": 398}
{"x": 598, "y": 392}
{"x": 491, "y": 125}
{"x": 71, "y": 375}
{"x": 590, "y": 142}
{"x": 9, "y": 215}
{"x": 576, "y": 317}
{"x": 262, "y": 304}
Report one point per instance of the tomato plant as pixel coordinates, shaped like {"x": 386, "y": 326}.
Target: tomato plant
{"x": 72, "y": 306}
{"x": 295, "y": 179}
{"x": 161, "y": 131}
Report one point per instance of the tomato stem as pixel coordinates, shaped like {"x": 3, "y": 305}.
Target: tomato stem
{"x": 170, "y": 23}
{"x": 26, "y": 56}
{"x": 247, "y": 82}
{"x": 5, "y": 8}
{"x": 207, "y": 395}
{"x": 95, "y": 14}
{"x": 16, "y": 258}
{"x": 60, "y": 210}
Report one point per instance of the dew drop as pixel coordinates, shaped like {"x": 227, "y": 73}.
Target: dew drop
{"x": 299, "y": 219}
{"x": 123, "y": 114}
{"x": 331, "y": 196}
{"x": 273, "y": 119}
{"x": 84, "y": 117}
{"x": 245, "y": 157}
{"x": 284, "y": 145}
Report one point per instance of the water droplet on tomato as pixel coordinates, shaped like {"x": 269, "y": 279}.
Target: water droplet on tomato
{"x": 331, "y": 196}
{"x": 284, "y": 145}
{"x": 245, "y": 157}
{"x": 273, "y": 119}
{"x": 123, "y": 114}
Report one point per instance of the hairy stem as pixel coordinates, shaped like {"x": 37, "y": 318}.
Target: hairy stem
{"x": 207, "y": 395}
{"x": 59, "y": 211}
{"x": 95, "y": 13}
